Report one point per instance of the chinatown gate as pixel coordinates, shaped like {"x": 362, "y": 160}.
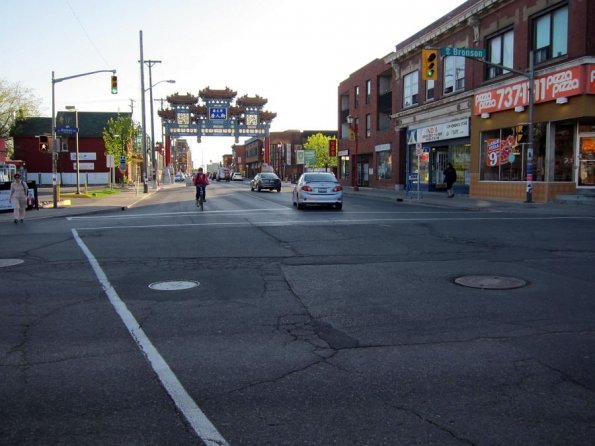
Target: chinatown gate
{"x": 216, "y": 116}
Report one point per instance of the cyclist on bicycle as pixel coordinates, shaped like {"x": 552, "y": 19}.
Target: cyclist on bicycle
{"x": 201, "y": 181}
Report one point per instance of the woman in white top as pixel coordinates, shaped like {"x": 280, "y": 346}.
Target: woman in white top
{"x": 18, "y": 197}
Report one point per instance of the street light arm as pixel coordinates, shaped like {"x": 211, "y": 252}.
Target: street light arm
{"x": 60, "y": 79}
{"x": 169, "y": 81}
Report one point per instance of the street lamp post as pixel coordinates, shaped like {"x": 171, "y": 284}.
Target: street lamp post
{"x": 353, "y": 126}
{"x": 76, "y": 124}
{"x": 150, "y": 89}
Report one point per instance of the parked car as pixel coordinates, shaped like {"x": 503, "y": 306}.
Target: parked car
{"x": 180, "y": 177}
{"x": 265, "y": 180}
{"x": 317, "y": 188}
{"x": 237, "y": 176}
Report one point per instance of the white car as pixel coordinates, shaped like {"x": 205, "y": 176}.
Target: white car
{"x": 180, "y": 177}
{"x": 237, "y": 176}
{"x": 318, "y": 188}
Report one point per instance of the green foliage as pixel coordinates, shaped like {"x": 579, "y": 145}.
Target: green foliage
{"x": 319, "y": 143}
{"x": 16, "y": 103}
{"x": 119, "y": 137}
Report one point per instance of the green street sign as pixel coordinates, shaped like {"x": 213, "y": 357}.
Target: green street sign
{"x": 478, "y": 53}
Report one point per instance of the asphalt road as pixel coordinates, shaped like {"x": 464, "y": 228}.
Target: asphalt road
{"x": 253, "y": 323}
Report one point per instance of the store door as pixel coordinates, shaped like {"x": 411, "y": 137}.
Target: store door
{"x": 439, "y": 162}
{"x": 586, "y": 160}
{"x": 363, "y": 167}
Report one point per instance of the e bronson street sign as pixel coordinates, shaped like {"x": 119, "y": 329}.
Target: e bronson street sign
{"x": 478, "y": 53}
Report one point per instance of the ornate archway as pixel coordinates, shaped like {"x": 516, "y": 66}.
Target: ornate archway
{"x": 216, "y": 115}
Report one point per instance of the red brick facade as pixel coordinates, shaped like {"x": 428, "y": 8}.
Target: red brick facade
{"x": 433, "y": 123}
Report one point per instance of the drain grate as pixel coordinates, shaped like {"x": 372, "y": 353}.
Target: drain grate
{"x": 174, "y": 285}
{"x": 490, "y": 282}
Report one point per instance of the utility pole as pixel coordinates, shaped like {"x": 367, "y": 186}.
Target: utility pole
{"x": 143, "y": 120}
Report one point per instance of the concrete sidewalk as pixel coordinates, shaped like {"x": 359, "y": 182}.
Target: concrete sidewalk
{"x": 70, "y": 204}
{"x": 461, "y": 201}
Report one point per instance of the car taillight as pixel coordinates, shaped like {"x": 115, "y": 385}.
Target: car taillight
{"x": 306, "y": 188}
{"x": 337, "y": 188}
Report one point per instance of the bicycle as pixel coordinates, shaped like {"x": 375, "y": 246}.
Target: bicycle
{"x": 201, "y": 198}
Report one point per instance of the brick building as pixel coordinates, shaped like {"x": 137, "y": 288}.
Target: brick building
{"x": 475, "y": 115}
{"x": 282, "y": 153}
{"x": 92, "y": 156}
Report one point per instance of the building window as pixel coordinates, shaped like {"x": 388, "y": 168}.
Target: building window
{"x": 344, "y": 167}
{"x": 504, "y": 154}
{"x": 368, "y": 125}
{"x": 368, "y": 91}
{"x": 384, "y": 165}
{"x": 356, "y": 96}
{"x": 410, "y": 89}
{"x": 454, "y": 74}
{"x": 500, "y": 51}
{"x": 429, "y": 90}
{"x": 550, "y": 35}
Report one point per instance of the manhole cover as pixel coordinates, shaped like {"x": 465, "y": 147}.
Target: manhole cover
{"x": 10, "y": 262}
{"x": 490, "y": 282}
{"x": 174, "y": 285}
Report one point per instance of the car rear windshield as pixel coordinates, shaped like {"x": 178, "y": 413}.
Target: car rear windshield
{"x": 320, "y": 177}
{"x": 268, "y": 175}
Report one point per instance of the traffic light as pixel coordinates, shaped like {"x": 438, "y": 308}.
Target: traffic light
{"x": 429, "y": 65}
{"x": 114, "y": 84}
{"x": 44, "y": 144}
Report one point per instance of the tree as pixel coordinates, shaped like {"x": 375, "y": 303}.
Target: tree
{"x": 319, "y": 143}
{"x": 16, "y": 103}
{"x": 119, "y": 137}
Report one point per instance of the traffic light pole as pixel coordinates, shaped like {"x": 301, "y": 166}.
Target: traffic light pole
{"x": 531, "y": 104}
{"x": 54, "y": 145}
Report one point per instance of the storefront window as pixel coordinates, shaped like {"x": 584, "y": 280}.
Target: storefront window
{"x": 564, "y": 152}
{"x": 422, "y": 167}
{"x": 504, "y": 154}
{"x": 460, "y": 157}
{"x": 384, "y": 165}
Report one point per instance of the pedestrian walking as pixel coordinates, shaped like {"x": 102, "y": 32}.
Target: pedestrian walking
{"x": 450, "y": 178}
{"x": 18, "y": 197}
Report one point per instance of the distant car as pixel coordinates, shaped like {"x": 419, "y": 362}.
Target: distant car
{"x": 265, "y": 180}
{"x": 237, "y": 176}
{"x": 317, "y": 188}
{"x": 223, "y": 174}
{"x": 180, "y": 177}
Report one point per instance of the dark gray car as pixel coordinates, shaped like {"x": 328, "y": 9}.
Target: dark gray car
{"x": 265, "y": 180}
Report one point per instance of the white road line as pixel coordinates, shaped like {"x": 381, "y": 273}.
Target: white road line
{"x": 173, "y": 214}
{"x": 195, "y": 416}
{"x": 333, "y": 222}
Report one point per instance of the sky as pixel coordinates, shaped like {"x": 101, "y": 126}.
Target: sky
{"x": 293, "y": 53}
